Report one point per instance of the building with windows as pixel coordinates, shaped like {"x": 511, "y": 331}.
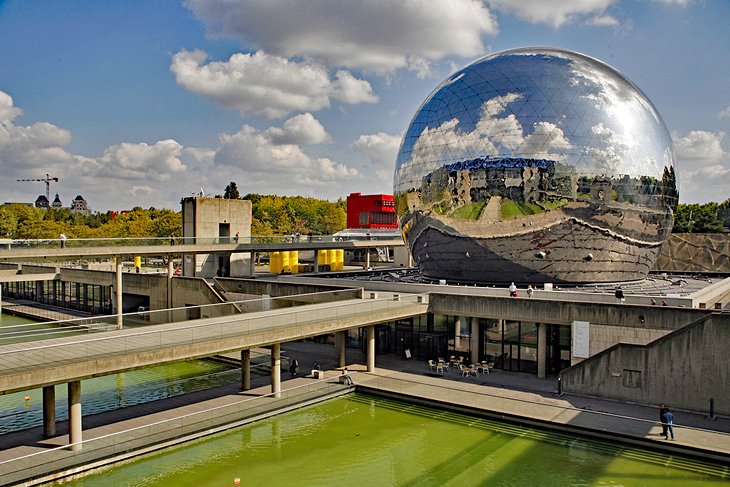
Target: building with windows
{"x": 371, "y": 211}
{"x": 79, "y": 206}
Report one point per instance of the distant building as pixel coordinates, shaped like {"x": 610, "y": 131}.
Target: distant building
{"x": 79, "y": 206}
{"x": 371, "y": 211}
{"x": 57, "y": 202}
{"x": 42, "y": 202}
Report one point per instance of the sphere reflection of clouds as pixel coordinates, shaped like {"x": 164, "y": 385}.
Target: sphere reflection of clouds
{"x": 537, "y": 144}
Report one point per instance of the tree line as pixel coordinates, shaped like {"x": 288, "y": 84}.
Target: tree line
{"x": 272, "y": 215}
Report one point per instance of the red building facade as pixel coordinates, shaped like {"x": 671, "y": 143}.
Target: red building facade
{"x": 371, "y": 211}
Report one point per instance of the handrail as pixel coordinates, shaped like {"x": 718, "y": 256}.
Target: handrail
{"x": 275, "y": 312}
{"x": 111, "y": 318}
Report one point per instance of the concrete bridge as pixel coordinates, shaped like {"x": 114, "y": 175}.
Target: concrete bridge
{"x": 68, "y": 360}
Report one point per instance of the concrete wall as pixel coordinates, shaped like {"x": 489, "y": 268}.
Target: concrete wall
{"x": 695, "y": 252}
{"x": 609, "y": 324}
{"x": 683, "y": 369}
{"x": 202, "y": 218}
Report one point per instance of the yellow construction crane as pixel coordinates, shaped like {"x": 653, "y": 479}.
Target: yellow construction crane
{"x": 46, "y": 180}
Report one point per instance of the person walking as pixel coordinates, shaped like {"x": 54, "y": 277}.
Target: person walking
{"x": 63, "y": 240}
{"x": 662, "y": 419}
{"x": 668, "y": 421}
{"x": 530, "y": 291}
{"x": 235, "y": 239}
{"x": 513, "y": 290}
{"x": 293, "y": 367}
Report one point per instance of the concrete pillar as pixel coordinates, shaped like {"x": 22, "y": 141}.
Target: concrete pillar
{"x": 1, "y": 297}
{"x": 74, "y": 415}
{"x": 245, "y": 370}
{"x": 541, "y": 350}
{"x": 340, "y": 337}
{"x": 276, "y": 370}
{"x": 170, "y": 274}
{"x": 252, "y": 264}
{"x": 316, "y": 261}
{"x": 371, "y": 348}
{"x": 119, "y": 292}
{"x": 49, "y": 411}
{"x": 367, "y": 258}
{"x": 457, "y": 333}
{"x": 474, "y": 338}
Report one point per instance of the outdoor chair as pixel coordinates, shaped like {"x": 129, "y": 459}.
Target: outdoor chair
{"x": 432, "y": 365}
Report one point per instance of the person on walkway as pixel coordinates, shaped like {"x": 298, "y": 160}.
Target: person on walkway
{"x": 63, "y": 240}
{"x": 662, "y": 418}
{"x": 513, "y": 290}
{"x": 235, "y": 239}
{"x": 293, "y": 366}
{"x": 530, "y": 291}
{"x": 668, "y": 422}
{"x": 619, "y": 295}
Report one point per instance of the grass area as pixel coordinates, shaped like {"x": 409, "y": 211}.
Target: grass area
{"x": 513, "y": 209}
{"x": 465, "y": 212}
{"x": 470, "y": 211}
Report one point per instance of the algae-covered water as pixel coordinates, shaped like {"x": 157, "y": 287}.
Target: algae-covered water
{"x": 360, "y": 440}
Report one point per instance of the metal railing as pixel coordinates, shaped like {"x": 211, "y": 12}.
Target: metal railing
{"x": 189, "y": 425}
{"x": 104, "y": 346}
{"x": 104, "y": 323}
{"x": 53, "y": 243}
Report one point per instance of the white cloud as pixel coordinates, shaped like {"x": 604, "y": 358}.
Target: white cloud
{"x": 8, "y": 112}
{"x": 37, "y": 147}
{"x": 273, "y": 156}
{"x": 376, "y": 35}
{"x": 703, "y": 166}
{"x": 158, "y": 162}
{"x": 724, "y": 113}
{"x": 381, "y": 148}
{"x": 302, "y": 129}
{"x": 493, "y": 134}
{"x": 681, "y": 3}
{"x": 271, "y": 86}
{"x": 554, "y": 13}
{"x": 604, "y": 21}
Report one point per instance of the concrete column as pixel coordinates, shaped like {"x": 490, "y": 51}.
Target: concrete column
{"x": 541, "y": 350}
{"x": 367, "y": 258}
{"x": 49, "y": 411}
{"x": 340, "y": 337}
{"x": 1, "y": 297}
{"x": 474, "y": 338}
{"x": 74, "y": 415}
{"x": 316, "y": 261}
{"x": 252, "y": 264}
{"x": 245, "y": 370}
{"x": 457, "y": 333}
{"x": 276, "y": 369}
{"x": 119, "y": 291}
{"x": 170, "y": 274}
{"x": 371, "y": 348}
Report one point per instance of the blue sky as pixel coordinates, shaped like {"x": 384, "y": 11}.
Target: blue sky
{"x": 139, "y": 103}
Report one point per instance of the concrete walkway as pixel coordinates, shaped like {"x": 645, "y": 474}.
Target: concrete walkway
{"x": 509, "y": 394}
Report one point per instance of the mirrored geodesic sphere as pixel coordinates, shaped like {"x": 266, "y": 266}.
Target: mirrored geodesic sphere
{"x": 536, "y": 165}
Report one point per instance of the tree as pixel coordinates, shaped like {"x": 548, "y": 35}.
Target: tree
{"x": 231, "y": 192}
{"x": 697, "y": 218}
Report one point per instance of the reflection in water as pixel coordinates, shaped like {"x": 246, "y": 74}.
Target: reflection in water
{"x": 360, "y": 440}
{"x": 536, "y": 165}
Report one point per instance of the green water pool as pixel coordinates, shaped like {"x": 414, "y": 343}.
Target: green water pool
{"x": 360, "y": 440}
